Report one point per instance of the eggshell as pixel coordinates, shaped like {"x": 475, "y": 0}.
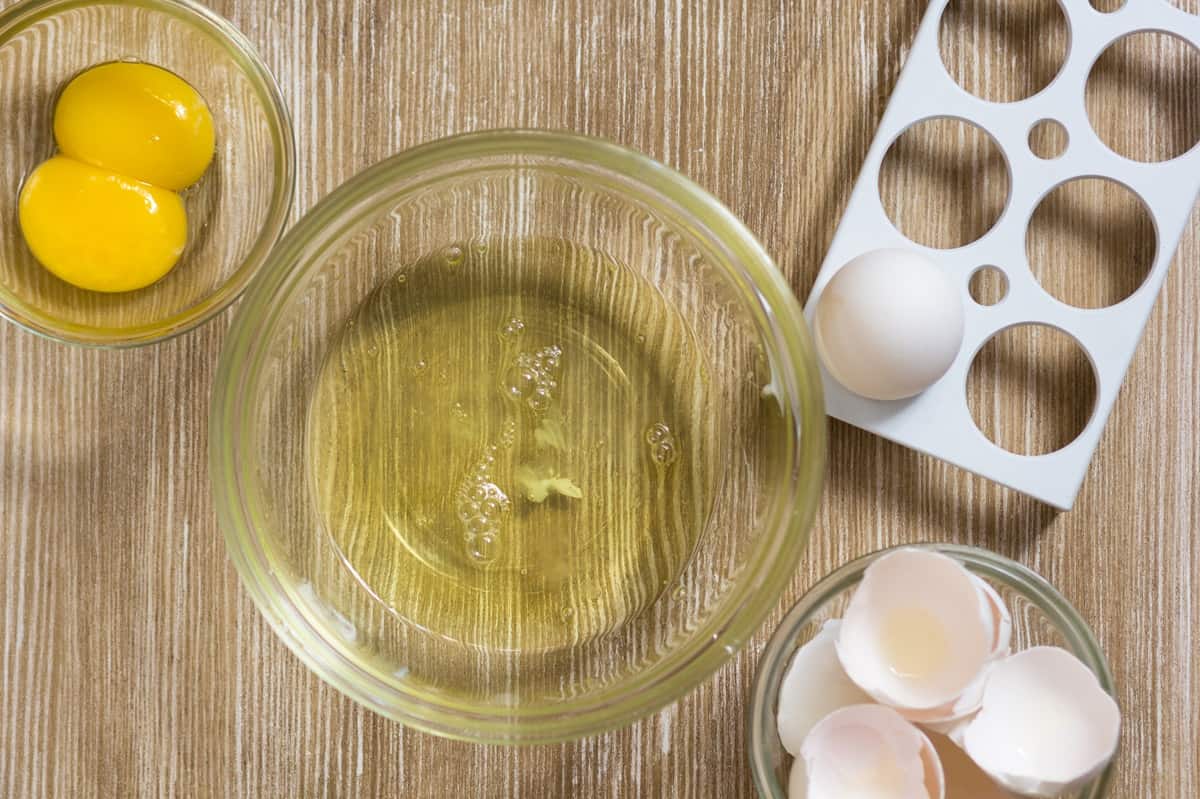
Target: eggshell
{"x": 1001, "y": 618}
{"x": 814, "y": 686}
{"x": 889, "y": 324}
{"x": 1045, "y": 726}
{"x": 798, "y": 780}
{"x": 917, "y": 633}
{"x": 948, "y": 718}
{"x": 870, "y": 750}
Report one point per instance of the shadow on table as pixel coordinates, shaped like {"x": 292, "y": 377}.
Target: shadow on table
{"x": 908, "y": 497}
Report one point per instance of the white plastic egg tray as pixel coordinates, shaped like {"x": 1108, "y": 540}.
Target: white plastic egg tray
{"x": 938, "y": 421}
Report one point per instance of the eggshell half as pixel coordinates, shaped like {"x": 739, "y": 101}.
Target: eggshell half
{"x": 870, "y": 750}
{"x": 798, "y": 780}
{"x": 918, "y": 631}
{"x": 1045, "y": 726}
{"x": 947, "y": 718}
{"x": 814, "y": 686}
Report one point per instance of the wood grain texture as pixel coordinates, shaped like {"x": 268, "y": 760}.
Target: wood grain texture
{"x": 132, "y": 664}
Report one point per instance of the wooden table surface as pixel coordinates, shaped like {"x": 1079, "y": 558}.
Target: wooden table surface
{"x": 133, "y": 664}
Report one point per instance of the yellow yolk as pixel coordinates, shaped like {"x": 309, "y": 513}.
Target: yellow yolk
{"x": 139, "y": 120}
{"x": 100, "y": 230}
{"x": 103, "y": 214}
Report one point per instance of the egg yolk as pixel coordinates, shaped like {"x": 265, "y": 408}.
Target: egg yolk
{"x": 104, "y": 214}
{"x": 98, "y": 229}
{"x": 139, "y": 120}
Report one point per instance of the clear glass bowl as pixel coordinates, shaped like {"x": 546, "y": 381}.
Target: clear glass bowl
{"x": 765, "y": 431}
{"x": 1040, "y": 616}
{"x": 236, "y": 212}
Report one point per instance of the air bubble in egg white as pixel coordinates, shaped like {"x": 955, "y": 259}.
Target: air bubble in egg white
{"x": 513, "y": 328}
{"x": 481, "y": 552}
{"x": 657, "y": 433}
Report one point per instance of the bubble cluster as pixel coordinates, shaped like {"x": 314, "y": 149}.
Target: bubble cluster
{"x": 512, "y": 329}
{"x": 664, "y": 449}
{"x": 533, "y": 377}
{"x": 508, "y": 435}
{"x": 481, "y": 507}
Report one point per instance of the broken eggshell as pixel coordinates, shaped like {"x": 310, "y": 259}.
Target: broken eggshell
{"x": 918, "y": 633}
{"x": 867, "y": 750}
{"x": 1001, "y": 618}
{"x": 1046, "y": 726}
{"x": 948, "y": 718}
{"x": 814, "y": 686}
{"x": 798, "y": 780}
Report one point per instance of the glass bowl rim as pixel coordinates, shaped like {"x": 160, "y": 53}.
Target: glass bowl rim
{"x": 302, "y": 252}
{"x": 20, "y": 17}
{"x": 776, "y": 657}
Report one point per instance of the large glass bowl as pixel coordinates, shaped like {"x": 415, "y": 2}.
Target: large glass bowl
{"x": 764, "y": 430}
{"x": 1041, "y": 616}
{"x": 236, "y": 212}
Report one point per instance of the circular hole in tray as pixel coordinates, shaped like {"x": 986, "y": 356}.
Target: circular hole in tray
{"x": 1003, "y": 50}
{"x": 1091, "y": 242}
{"x": 1142, "y": 96}
{"x": 988, "y": 285}
{"x": 1031, "y": 389}
{"x": 944, "y": 183}
{"x": 1048, "y": 139}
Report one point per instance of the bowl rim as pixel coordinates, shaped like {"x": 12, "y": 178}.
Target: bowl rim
{"x": 761, "y": 735}
{"x": 795, "y": 373}
{"x": 18, "y": 18}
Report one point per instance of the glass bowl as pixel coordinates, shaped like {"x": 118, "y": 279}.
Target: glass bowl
{"x": 236, "y": 212}
{"x": 597, "y": 219}
{"x": 1040, "y": 616}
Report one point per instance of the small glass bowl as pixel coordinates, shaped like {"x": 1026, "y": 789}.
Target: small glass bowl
{"x": 236, "y": 212}
{"x": 408, "y": 222}
{"x": 1040, "y": 616}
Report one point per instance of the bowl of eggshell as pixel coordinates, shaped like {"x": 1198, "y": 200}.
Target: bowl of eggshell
{"x": 933, "y": 672}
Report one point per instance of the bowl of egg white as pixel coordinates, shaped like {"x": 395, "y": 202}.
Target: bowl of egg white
{"x": 933, "y": 672}
{"x": 147, "y": 168}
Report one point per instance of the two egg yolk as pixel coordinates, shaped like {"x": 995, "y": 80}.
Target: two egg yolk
{"x": 104, "y": 214}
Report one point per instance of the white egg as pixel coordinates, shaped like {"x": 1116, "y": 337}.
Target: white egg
{"x": 814, "y": 686}
{"x": 917, "y": 633}
{"x": 1046, "y": 726}
{"x": 870, "y": 750}
{"x": 889, "y": 324}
